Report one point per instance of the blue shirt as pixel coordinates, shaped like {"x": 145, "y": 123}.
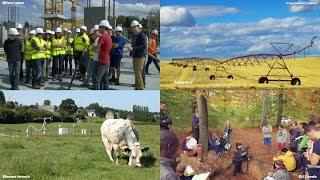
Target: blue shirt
{"x": 121, "y": 41}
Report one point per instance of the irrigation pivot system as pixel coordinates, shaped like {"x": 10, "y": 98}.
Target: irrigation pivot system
{"x": 275, "y": 61}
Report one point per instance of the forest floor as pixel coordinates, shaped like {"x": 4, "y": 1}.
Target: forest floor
{"x": 259, "y": 165}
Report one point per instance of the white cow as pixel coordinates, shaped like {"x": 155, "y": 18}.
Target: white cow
{"x": 120, "y": 134}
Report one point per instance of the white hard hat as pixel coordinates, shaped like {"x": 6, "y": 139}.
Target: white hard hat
{"x": 155, "y": 32}
{"x": 96, "y": 27}
{"x": 13, "y": 31}
{"x": 39, "y": 31}
{"x": 65, "y": 29}
{"x": 19, "y": 26}
{"x": 83, "y": 28}
{"x": 140, "y": 26}
{"x": 77, "y": 30}
{"x": 134, "y": 23}
{"x": 92, "y": 31}
{"x": 109, "y": 27}
{"x": 58, "y": 30}
{"x": 69, "y": 31}
{"x": 53, "y": 33}
{"x": 104, "y": 23}
{"x": 48, "y": 31}
{"x": 32, "y": 32}
{"x": 119, "y": 28}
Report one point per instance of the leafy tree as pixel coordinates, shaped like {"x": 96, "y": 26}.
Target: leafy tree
{"x": 47, "y": 102}
{"x": 101, "y": 111}
{"x": 68, "y": 106}
{"x": 2, "y": 99}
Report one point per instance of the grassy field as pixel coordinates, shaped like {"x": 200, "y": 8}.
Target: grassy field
{"x": 307, "y": 69}
{"x": 73, "y": 156}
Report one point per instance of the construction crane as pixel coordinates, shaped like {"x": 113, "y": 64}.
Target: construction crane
{"x": 74, "y": 10}
{"x": 53, "y": 12}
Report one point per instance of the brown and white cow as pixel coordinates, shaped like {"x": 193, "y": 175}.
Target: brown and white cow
{"x": 120, "y": 134}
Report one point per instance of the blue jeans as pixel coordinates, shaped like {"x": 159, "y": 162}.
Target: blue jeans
{"x": 14, "y": 73}
{"x": 100, "y": 76}
{"x": 28, "y": 69}
{"x": 36, "y": 71}
{"x": 57, "y": 65}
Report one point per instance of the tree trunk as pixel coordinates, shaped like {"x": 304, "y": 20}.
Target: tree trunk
{"x": 264, "y": 107}
{"x": 280, "y": 107}
{"x": 202, "y": 106}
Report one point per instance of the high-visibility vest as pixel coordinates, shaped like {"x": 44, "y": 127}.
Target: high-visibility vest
{"x": 49, "y": 50}
{"x": 38, "y": 54}
{"x": 79, "y": 45}
{"x": 68, "y": 48}
{"x": 57, "y": 50}
{"x": 27, "y": 50}
{"x": 92, "y": 54}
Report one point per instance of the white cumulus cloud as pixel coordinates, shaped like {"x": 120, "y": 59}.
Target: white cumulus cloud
{"x": 176, "y": 16}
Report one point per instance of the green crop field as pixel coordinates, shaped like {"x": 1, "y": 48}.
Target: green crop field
{"x": 73, "y": 156}
{"x": 307, "y": 69}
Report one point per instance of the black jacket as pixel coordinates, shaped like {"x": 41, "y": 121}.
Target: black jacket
{"x": 139, "y": 45}
{"x": 12, "y": 48}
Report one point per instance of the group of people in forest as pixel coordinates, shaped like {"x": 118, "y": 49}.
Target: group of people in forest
{"x": 93, "y": 55}
{"x": 298, "y": 150}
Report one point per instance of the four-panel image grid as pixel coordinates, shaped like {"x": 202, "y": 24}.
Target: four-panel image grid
{"x": 82, "y": 96}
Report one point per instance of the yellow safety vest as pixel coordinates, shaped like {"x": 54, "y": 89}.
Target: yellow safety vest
{"x": 48, "y": 51}
{"x": 28, "y": 50}
{"x": 38, "y": 54}
{"x": 68, "y": 48}
{"x": 79, "y": 45}
{"x": 57, "y": 50}
{"x": 92, "y": 54}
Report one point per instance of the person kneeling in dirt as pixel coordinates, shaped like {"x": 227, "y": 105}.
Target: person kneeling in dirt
{"x": 191, "y": 147}
{"x": 238, "y": 157}
{"x": 288, "y": 159}
{"x": 281, "y": 172}
{"x": 214, "y": 144}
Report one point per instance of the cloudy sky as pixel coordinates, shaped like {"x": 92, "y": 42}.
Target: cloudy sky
{"x": 235, "y": 27}
{"x": 32, "y": 9}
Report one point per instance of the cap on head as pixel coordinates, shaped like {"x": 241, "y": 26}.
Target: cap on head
{"x": 119, "y": 28}
{"x": 134, "y": 23}
{"x": 39, "y": 31}
{"x": 65, "y": 29}
{"x": 140, "y": 26}
{"x": 84, "y": 28}
{"x": 95, "y": 27}
{"x": 77, "y": 30}
{"x": 69, "y": 32}
{"x": 13, "y": 31}
{"x": 48, "y": 31}
{"x": 53, "y": 33}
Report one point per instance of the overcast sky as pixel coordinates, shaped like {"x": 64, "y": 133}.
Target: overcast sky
{"x": 231, "y": 28}
{"x": 114, "y": 99}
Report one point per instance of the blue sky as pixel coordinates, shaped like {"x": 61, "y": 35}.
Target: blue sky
{"x": 235, "y": 27}
{"x": 114, "y": 99}
{"x": 32, "y": 9}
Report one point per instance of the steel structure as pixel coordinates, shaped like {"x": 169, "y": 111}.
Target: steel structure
{"x": 278, "y": 63}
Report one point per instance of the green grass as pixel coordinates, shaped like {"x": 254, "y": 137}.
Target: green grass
{"x": 72, "y": 156}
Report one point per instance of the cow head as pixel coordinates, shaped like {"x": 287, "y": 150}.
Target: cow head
{"x": 135, "y": 153}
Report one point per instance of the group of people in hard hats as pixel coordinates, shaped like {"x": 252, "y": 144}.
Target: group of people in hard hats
{"x": 97, "y": 57}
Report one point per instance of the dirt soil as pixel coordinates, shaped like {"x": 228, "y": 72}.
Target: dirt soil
{"x": 259, "y": 165}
